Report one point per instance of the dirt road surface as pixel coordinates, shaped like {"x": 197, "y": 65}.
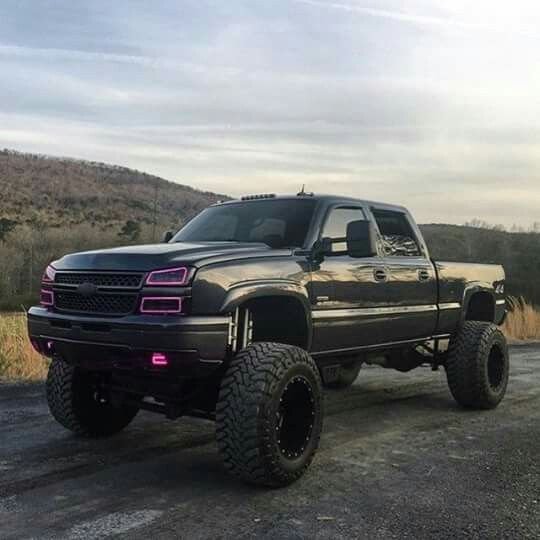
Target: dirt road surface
{"x": 398, "y": 459}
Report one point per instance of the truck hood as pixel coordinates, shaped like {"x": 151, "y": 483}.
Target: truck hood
{"x": 156, "y": 256}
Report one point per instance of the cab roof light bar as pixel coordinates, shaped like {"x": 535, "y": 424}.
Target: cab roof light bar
{"x": 256, "y": 197}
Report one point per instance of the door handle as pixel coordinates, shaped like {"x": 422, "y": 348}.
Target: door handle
{"x": 380, "y": 275}
{"x": 424, "y": 275}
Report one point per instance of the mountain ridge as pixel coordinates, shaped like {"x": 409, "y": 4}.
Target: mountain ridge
{"x": 55, "y": 191}
{"x": 52, "y": 205}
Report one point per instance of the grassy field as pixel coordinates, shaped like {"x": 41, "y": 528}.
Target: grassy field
{"x": 523, "y": 322}
{"x": 19, "y": 361}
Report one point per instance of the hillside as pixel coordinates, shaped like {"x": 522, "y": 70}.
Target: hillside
{"x": 52, "y": 206}
{"x": 519, "y": 253}
{"x": 60, "y": 192}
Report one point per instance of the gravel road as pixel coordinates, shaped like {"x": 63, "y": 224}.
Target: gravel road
{"x": 398, "y": 460}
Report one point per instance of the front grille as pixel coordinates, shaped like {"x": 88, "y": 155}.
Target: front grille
{"x": 103, "y": 304}
{"x": 128, "y": 281}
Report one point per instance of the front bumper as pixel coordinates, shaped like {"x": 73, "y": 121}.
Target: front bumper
{"x": 193, "y": 344}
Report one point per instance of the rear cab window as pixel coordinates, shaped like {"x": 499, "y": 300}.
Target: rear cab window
{"x": 398, "y": 238}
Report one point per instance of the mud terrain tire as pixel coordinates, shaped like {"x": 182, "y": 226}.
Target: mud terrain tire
{"x": 477, "y": 366}
{"x": 72, "y": 399}
{"x": 269, "y": 414}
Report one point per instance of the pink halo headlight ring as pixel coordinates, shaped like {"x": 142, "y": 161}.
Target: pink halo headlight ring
{"x": 46, "y": 298}
{"x": 168, "y": 277}
{"x": 161, "y": 305}
{"x": 159, "y": 359}
{"x": 48, "y": 274}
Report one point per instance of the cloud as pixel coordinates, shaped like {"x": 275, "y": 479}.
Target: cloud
{"x": 412, "y": 102}
{"x": 387, "y": 14}
{"x": 71, "y": 55}
{"x": 422, "y": 19}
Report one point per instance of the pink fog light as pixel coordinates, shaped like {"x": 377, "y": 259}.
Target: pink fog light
{"x": 170, "y": 276}
{"x": 46, "y": 298}
{"x": 161, "y": 305}
{"x": 159, "y": 359}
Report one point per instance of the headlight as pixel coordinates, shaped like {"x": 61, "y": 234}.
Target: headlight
{"x": 169, "y": 277}
{"x": 48, "y": 275}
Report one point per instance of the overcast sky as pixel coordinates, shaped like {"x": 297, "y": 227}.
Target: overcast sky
{"x": 432, "y": 104}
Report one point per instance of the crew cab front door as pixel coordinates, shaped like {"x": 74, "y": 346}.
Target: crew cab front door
{"x": 346, "y": 292}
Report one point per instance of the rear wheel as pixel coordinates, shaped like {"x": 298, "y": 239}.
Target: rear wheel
{"x": 269, "y": 414}
{"x": 477, "y": 366}
{"x": 78, "y": 401}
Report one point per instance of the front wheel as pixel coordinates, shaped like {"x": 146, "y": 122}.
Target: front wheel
{"x": 78, "y": 401}
{"x": 269, "y": 414}
{"x": 477, "y": 366}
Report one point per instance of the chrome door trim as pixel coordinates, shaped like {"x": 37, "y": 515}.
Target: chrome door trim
{"x": 367, "y": 312}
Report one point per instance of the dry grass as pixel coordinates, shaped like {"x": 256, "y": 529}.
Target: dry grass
{"x": 523, "y": 322}
{"x": 18, "y": 360}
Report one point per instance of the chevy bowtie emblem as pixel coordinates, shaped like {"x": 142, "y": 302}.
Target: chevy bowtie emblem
{"x": 87, "y": 289}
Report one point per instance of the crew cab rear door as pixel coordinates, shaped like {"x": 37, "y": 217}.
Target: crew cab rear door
{"x": 410, "y": 288}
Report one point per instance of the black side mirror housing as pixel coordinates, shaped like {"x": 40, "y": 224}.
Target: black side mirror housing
{"x": 321, "y": 248}
{"x": 361, "y": 239}
{"x": 167, "y": 236}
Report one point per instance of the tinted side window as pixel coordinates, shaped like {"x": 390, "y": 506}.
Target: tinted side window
{"x": 336, "y": 225}
{"x": 398, "y": 238}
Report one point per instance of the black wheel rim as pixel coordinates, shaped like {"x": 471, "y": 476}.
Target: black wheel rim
{"x": 295, "y": 417}
{"x": 92, "y": 390}
{"x": 496, "y": 368}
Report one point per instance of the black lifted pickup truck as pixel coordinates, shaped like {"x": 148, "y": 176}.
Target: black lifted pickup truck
{"x": 251, "y": 309}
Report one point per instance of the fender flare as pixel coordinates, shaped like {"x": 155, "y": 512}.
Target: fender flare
{"x": 470, "y": 292}
{"x": 251, "y": 290}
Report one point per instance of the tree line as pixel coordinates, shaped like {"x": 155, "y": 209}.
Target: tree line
{"x": 518, "y": 252}
{"x": 52, "y": 206}
{"x": 25, "y": 251}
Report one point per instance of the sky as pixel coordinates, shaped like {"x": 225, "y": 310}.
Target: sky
{"x": 431, "y": 104}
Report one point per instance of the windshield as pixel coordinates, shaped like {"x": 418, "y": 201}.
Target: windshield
{"x": 277, "y": 223}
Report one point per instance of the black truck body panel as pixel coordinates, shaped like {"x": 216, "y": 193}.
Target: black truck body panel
{"x": 349, "y": 304}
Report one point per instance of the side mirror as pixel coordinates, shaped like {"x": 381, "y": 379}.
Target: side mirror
{"x": 361, "y": 239}
{"x": 321, "y": 248}
{"x": 167, "y": 236}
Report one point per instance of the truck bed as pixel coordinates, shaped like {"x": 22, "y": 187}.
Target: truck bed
{"x": 459, "y": 281}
